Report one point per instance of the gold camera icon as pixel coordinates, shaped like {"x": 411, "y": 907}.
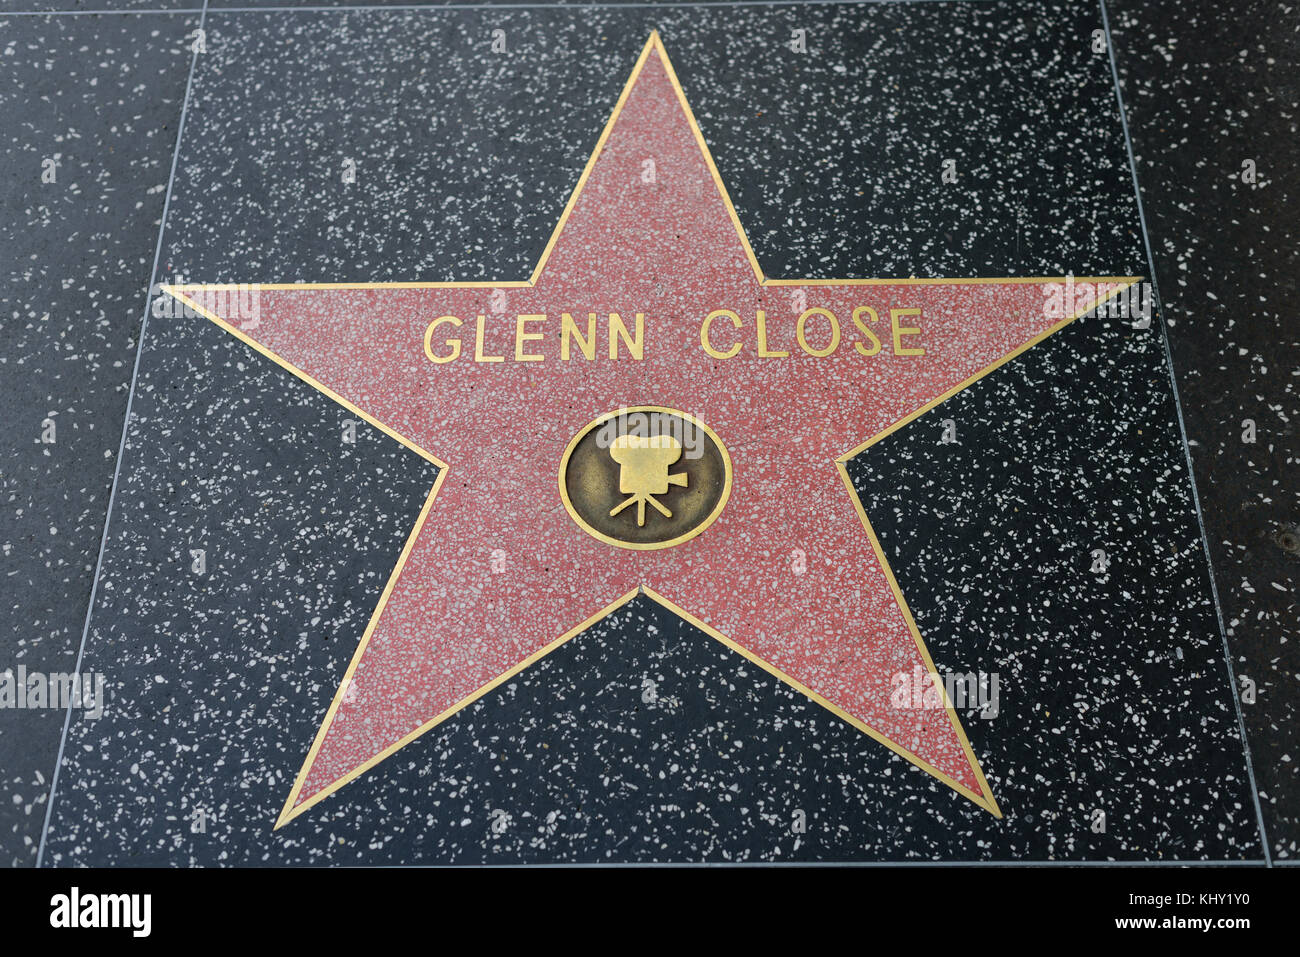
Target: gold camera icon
{"x": 643, "y": 471}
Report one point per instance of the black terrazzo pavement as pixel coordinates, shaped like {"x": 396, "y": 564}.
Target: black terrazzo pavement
{"x": 836, "y": 155}
{"x": 220, "y": 680}
{"x": 92, "y": 8}
{"x": 1114, "y": 694}
{"x": 101, "y": 99}
{"x": 1207, "y": 90}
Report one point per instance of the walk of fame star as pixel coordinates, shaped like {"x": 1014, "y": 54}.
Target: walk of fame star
{"x": 648, "y": 297}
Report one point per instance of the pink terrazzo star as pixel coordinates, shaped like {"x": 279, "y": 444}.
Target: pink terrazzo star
{"x": 496, "y": 573}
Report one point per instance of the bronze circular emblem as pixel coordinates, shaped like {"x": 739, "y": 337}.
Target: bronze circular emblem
{"x": 645, "y": 477}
